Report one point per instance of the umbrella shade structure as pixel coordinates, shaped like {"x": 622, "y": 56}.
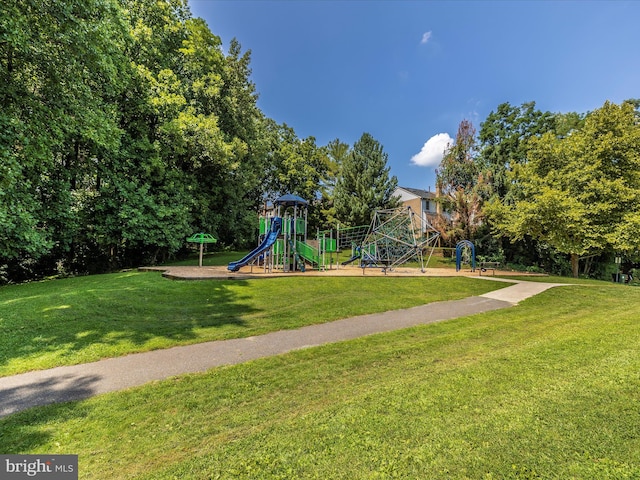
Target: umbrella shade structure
{"x": 290, "y": 200}
{"x": 201, "y": 238}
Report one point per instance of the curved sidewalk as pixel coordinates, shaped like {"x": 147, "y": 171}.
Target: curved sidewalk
{"x": 76, "y": 382}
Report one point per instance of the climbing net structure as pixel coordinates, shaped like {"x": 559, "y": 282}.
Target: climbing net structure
{"x": 397, "y": 236}
{"x": 351, "y": 237}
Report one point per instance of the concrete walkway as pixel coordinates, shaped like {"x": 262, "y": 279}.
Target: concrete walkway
{"x": 63, "y": 384}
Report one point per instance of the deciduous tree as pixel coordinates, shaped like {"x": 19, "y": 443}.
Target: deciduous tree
{"x": 61, "y": 65}
{"x": 579, "y": 193}
{"x": 503, "y": 140}
{"x": 461, "y": 184}
{"x": 337, "y": 152}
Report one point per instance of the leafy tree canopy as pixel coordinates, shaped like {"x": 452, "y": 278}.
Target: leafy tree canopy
{"x": 462, "y": 187}
{"x": 579, "y": 193}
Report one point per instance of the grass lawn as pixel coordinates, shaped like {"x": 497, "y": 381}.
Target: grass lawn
{"x": 547, "y": 389}
{"x": 79, "y": 320}
{"x": 555, "y": 279}
{"x": 210, "y": 259}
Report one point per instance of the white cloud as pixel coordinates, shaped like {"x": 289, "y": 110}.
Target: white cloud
{"x": 432, "y": 151}
{"x": 425, "y": 37}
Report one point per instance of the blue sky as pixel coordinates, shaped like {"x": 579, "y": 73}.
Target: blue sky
{"x": 408, "y": 72}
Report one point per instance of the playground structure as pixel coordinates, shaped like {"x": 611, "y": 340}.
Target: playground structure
{"x": 394, "y": 237}
{"x": 465, "y": 253}
{"x": 284, "y": 243}
{"x": 397, "y": 236}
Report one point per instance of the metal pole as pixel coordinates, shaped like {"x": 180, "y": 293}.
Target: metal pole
{"x": 295, "y": 238}
{"x": 338, "y": 246}
{"x": 285, "y": 246}
{"x": 320, "y": 250}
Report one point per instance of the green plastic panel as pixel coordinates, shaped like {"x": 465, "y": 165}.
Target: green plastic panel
{"x": 328, "y": 244}
{"x": 308, "y": 252}
{"x": 201, "y": 238}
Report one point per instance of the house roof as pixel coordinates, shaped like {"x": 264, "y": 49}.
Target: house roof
{"x": 419, "y": 193}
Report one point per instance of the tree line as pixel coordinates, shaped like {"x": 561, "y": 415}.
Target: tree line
{"x": 125, "y": 128}
{"x": 557, "y": 191}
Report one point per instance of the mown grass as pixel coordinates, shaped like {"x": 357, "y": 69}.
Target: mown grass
{"x": 557, "y": 279}
{"x": 79, "y": 320}
{"x": 209, "y": 259}
{"x": 547, "y": 389}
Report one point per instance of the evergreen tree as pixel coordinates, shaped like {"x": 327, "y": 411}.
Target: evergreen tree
{"x": 364, "y": 185}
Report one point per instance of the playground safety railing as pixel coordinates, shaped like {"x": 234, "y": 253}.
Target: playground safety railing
{"x": 309, "y": 253}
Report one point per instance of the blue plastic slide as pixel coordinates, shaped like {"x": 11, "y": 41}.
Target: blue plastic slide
{"x": 270, "y": 239}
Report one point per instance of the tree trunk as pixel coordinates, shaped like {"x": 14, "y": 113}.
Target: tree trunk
{"x": 575, "y": 265}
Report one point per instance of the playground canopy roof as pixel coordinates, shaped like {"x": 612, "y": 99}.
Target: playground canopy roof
{"x": 202, "y": 238}
{"x": 291, "y": 201}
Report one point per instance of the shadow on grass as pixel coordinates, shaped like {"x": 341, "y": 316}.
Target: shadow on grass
{"x": 77, "y": 320}
{"x": 26, "y": 430}
{"x": 52, "y": 389}
{"x": 23, "y": 428}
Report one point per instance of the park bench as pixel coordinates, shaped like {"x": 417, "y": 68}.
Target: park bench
{"x": 484, "y": 266}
